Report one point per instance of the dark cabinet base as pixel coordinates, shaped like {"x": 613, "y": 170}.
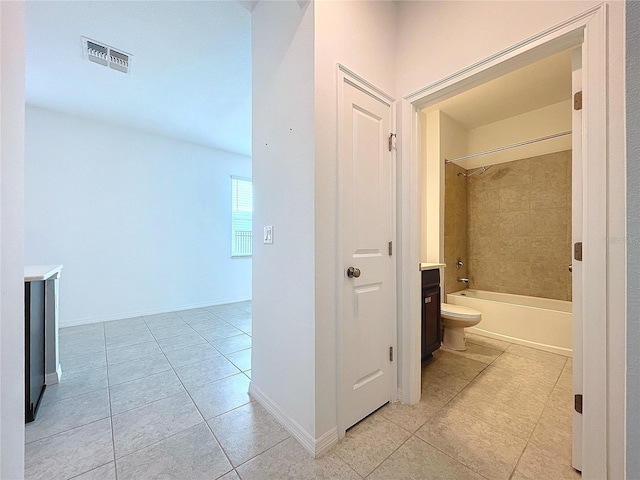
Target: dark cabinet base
{"x": 431, "y": 320}
{"x": 31, "y": 409}
{"x": 34, "y": 347}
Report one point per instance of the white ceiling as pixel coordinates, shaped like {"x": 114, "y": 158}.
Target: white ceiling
{"x": 535, "y": 86}
{"x": 191, "y": 68}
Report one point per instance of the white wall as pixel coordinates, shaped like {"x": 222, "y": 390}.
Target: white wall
{"x": 519, "y": 128}
{"x": 633, "y": 239}
{"x": 443, "y": 138}
{"x": 296, "y": 48}
{"x": 360, "y": 35}
{"x": 11, "y": 236}
{"x": 437, "y": 39}
{"x": 140, "y": 222}
{"x": 283, "y": 353}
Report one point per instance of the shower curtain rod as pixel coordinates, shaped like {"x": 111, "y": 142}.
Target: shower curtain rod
{"x": 507, "y": 147}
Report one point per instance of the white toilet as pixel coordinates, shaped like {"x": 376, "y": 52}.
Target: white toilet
{"x": 455, "y": 318}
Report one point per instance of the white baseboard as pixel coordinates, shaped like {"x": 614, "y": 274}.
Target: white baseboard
{"x": 54, "y": 377}
{"x": 326, "y": 441}
{"x": 139, "y": 313}
{"x": 315, "y": 447}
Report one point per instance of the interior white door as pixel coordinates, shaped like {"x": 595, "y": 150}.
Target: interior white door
{"x": 365, "y": 169}
{"x": 576, "y": 266}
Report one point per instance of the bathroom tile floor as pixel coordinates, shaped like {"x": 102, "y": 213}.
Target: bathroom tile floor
{"x": 165, "y": 396}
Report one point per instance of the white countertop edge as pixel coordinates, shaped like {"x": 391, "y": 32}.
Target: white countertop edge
{"x": 431, "y": 266}
{"x": 34, "y": 273}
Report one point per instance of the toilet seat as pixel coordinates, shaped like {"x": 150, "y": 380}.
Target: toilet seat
{"x": 458, "y": 312}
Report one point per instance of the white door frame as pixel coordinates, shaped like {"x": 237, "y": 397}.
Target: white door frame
{"x": 588, "y": 29}
{"x": 577, "y": 275}
{"x": 344, "y": 75}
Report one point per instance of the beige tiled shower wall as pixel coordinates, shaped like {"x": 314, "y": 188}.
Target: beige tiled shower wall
{"x": 455, "y": 227}
{"x": 519, "y": 227}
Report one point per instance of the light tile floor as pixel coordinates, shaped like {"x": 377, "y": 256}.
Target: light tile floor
{"x": 165, "y": 396}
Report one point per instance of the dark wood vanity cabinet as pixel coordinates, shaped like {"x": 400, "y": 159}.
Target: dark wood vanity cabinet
{"x": 431, "y": 321}
{"x": 34, "y": 347}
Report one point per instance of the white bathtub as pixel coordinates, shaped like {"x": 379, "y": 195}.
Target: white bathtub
{"x": 541, "y": 323}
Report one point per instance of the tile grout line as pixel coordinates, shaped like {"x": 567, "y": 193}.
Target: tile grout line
{"x": 257, "y": 454}
{"x": 515, "y": 468}
{"x": 385, "y": 458}
{"x": 449, "y": 455}
{"x": 195, "y": 406}
{"x": 95, "y": 421}
{"x": 224, "y": 452}
{"x": 171, "y": 368}
{"x": 165, "y": 438}
{"x": 470, "y": 384}
{"x": 154, "y": 401}
{"x": 78, "y": 395}
{"x": 538, "y": 420}
{"x": 233, "y": 467}
{"x": 62, "y": 400}
{"x": 95, "y": 468}
{"x": 444, "y": 405}
{"x": 469, "y": 413}
{"x": 351, "y": 467}
{"x": 206, "y": 422}
{"x": 442, "y": 408}
{"x": 157, "y": 400}
{"x": 113, "y": 435}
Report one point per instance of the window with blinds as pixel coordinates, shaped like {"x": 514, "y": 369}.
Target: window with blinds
{"x": 241, "y": 216}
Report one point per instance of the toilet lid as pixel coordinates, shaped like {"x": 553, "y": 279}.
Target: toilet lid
{"x": 459, "y": 310}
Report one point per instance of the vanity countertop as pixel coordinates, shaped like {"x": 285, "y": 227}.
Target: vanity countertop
{"x": 431, "y": 266}
{"x": 34, "y": 273}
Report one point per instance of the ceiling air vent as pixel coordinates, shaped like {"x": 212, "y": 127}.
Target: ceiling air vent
{"x": 107, "y": 56}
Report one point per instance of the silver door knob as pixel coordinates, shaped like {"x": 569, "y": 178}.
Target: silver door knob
{"x": 353, "y": 272}
{"x": 571, "y": 268}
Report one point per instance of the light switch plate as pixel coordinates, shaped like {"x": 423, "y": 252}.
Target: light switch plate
{"x": 268, "y": 235}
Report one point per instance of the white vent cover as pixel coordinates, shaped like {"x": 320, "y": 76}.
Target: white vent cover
{"x": 105, "y": 55}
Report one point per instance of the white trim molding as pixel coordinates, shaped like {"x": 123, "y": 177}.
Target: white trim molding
{"x": 316, "y": 447}
{"x": 152, "y": 311}
{"x": 360, "y": 82}
{"x": 53, "y": 378}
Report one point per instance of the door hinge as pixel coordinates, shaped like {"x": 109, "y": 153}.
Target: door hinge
{"x": 577, "y": 402}
{"x": 577, "y": 251}
{"x": 577, "y": 101}
{"x": 391, "y": 354}
{"x": 391, "y": 135}
{"x": 390, "y": 248}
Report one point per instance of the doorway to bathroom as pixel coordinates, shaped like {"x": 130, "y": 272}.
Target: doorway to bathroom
{"x": 590, "y": 189}
{"x": 504, "y": 149}
{"x": 497, "y": 161}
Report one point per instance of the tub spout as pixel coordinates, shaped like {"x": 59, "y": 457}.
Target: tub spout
{"x": 463, "y": 280}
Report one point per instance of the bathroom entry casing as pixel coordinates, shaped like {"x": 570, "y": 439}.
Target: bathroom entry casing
{"x": 588, "y": 29}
